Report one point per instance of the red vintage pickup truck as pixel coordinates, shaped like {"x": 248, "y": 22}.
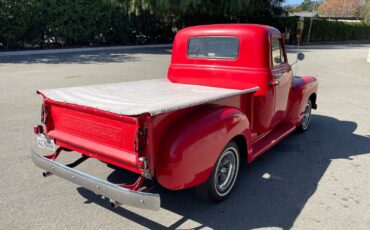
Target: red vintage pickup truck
{"x": 229, "y": 96}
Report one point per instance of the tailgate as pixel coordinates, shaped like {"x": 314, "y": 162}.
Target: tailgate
{"x": 96, "y": 133}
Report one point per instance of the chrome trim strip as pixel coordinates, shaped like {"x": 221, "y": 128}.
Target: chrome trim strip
{"x": 114, "y": 192}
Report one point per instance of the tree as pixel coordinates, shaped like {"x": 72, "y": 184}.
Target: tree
{"x": 180, "y": 13}
{"x": 58, "y": 23}
{"x": 15, "y": 17}
{"x": 306, "y": 5}
{"x": 339, "y": 8}
{"x": 211, "y": 7}
{"x": 367, "y": 12}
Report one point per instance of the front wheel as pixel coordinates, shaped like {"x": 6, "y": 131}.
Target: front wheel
{"x": 305, "y": 122}
{"x": 222, "y": 180}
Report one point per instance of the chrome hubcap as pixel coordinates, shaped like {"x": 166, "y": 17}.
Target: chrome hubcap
{"x": 306, "y": 116}
{"x": 226, "y": 171}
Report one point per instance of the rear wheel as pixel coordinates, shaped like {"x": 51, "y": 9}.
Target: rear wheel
{"x": 222, "y": 180}
{"x": 305, "y": 122}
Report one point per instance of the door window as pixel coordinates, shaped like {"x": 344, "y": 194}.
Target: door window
{"x": 278, "y": 57}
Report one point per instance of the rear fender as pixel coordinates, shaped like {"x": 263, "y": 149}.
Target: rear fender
{"x": 192, "y": 146}
{"x": 304, "y": 88}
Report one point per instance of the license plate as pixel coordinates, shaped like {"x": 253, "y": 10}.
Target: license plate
{"x": 45, "y": 142}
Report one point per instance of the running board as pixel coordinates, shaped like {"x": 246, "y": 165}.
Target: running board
{"x": 271, "y": 139}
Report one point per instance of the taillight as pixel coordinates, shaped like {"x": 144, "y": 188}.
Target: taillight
{"x": 143, "y": 163}
{"x": 38, "y": 129}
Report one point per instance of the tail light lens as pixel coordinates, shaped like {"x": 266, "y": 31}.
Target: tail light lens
{"x": 38, "y": 129}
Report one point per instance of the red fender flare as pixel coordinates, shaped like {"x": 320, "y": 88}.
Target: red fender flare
{"x": 190, "y": 150}
{"x": 303, "y": 88}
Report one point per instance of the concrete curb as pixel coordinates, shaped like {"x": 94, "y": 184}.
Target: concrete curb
{"x": 368, "y": 57}
{"x": 326, "y": 46}
{"x": 73, "y": 50}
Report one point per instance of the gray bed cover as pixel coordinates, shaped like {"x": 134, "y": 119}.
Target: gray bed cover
{"x": 138, "y": 97}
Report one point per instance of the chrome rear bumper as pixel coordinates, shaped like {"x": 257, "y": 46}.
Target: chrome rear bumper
{"x": 112, "y": 191}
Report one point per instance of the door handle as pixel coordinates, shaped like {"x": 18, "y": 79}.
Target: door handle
{"x": 274, "y": 83}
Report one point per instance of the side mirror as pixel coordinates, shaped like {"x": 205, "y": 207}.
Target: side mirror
{"x": 300, "y": 56}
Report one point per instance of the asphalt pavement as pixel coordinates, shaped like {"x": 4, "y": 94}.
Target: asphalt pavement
{"x": 316, "y": 180}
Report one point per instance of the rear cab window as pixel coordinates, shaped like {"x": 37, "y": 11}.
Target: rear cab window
{"x": 213, "y": 47}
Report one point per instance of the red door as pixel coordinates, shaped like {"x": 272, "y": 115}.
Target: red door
{"x": 282, "y": 77}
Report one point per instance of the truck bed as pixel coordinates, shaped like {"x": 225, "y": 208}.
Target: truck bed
{"x": 138, "y": 97}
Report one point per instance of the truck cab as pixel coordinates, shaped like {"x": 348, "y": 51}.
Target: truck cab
{"x": 230, "y": 94}
{"x": 237, "y": 57}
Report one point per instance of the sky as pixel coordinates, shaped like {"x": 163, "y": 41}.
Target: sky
{"x": 292, "y": 2}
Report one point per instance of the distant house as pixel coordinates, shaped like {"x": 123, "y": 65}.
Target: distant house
{"x": 307, "y": 14}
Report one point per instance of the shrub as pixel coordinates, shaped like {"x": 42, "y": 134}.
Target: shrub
{"x": 68, "y": 23}
{"x": 324, "y": 30}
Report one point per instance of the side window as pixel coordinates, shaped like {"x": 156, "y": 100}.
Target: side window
{"x": 277, "y": 52}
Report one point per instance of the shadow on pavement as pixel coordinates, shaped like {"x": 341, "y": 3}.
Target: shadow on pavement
{"x": 85, "y": 57}
{"x": 295, "y": 166}
{"x": 119, "y": 56}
